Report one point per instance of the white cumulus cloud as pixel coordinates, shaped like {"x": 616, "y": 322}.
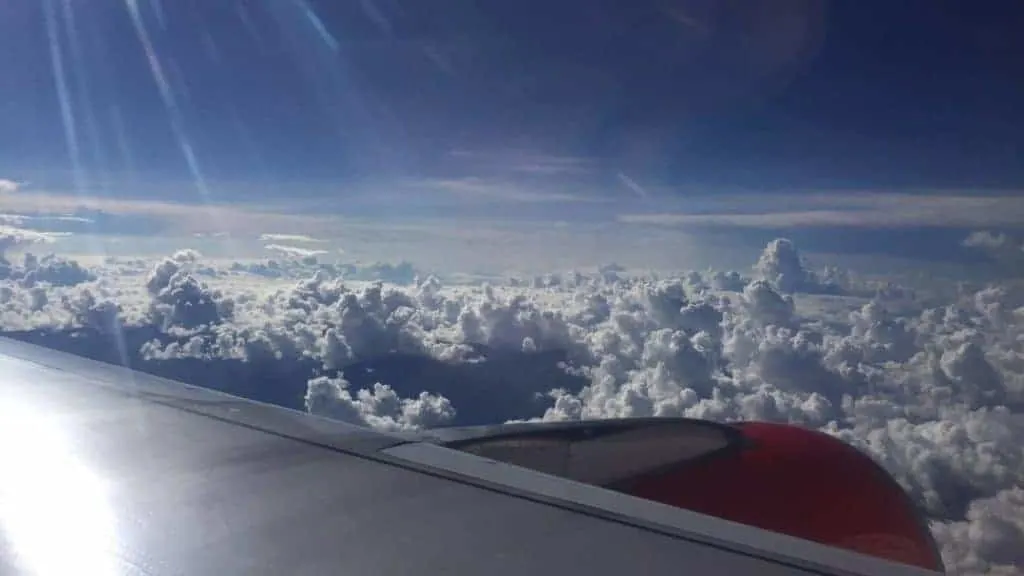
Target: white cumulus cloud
{"x": 8, "y": 186}
{"x": 932, "y": 389}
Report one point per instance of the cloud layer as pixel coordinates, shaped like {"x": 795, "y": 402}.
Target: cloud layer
{"x": 934, "y": 391}
{"x": 860, "y": 209}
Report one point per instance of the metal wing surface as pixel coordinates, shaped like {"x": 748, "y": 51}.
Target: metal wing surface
{"x": 109, "y": 471}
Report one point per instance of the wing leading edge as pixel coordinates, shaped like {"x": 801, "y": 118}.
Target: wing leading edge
{"x": 108, "y": 471}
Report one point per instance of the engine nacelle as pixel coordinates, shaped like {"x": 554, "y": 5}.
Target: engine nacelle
{"x": 779, "y": 477}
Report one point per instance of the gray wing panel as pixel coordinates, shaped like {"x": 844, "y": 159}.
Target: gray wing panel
{"x": 105, "y": 478}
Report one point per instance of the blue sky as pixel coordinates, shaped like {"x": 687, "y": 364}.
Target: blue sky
{"x": 486, "y": 139}
{"x": 571, "y": 110}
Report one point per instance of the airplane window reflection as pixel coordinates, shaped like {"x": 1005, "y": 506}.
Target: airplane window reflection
{"x": 54, "y": 510}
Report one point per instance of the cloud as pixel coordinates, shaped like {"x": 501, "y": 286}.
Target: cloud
{"x": 19, "y": 219}
{"x": 49, "y": 269}
{"x": 378, "y": 407}
{"x": 11, "y": 236}
{"x": 289, "y": 238}
{"x": 8, "y": 186}
{"x": 931, "y": 388}
{"x": 294, "y": 250}
{"x": 1004, "y": 250}
{"x": 112, "y": 214}
{"x": 862, "y": 210}
{"x": 986, "y": 239}
{"x": 524, "y": 162}
{"x": 781, "y": 266}
{"x": 303, "y": 266}
{"x": 480, "y": 189}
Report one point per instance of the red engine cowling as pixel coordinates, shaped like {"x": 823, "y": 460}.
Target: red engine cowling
{"x": 803, "y": 483}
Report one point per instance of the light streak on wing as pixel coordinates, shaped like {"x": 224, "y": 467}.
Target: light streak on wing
{"x": 320, "y": 57}
{"x": 210, "y": 47}
{"x": 123, "y": 146}
{"x": 63, "y": 94}
{"x": 632, "y": 185}
{"x": 373, "y": 12}
{"x": 174, "y": 115}
{"x": 245, "y": 137}
{"x": 176, "y": 78}
{"x": 80, "y": 70}
{"x": 167, "y": 95}
{"x": 158, "y": 11}
{"x": 67, "y": 111}
{"x": 318, "y": 25}
{"x": 243, "y": 15}
{"x": 94, "y": 150}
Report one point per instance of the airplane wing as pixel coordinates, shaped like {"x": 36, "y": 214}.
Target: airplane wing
{"x": 109, "y": 471}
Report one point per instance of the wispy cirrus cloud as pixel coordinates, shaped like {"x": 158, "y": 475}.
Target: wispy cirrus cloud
{"x": 524, "y": 162}
{"x": 865, "y": 210}
{"x": 18, "y": 219}
{"x": 486, "y": 190}
{"x": 290, "y": 238}
{"x": 184, "y": 218}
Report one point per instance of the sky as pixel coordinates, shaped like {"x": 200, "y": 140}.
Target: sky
{"x": 405, "y": 214}
{"x": 580, "y": 110}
